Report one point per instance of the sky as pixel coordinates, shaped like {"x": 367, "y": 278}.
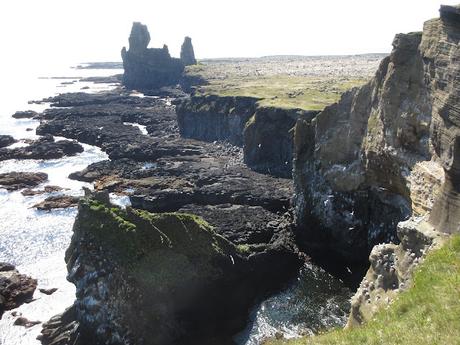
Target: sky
{"x": 45, "y": 33}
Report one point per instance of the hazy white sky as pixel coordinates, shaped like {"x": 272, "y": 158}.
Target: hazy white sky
{"x": 48, "y": 32}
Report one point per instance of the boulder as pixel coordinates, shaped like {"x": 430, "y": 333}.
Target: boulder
{"x": 15, "y": 288}
{"x": 6, "y": 140}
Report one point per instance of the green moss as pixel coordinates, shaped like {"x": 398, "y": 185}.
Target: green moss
{"x": 161, "y": 250}
{"x": 428, "y": 313}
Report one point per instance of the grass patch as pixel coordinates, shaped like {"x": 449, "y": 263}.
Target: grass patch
{"x": 278, "y": 89}
{"x": 427, "y": 314}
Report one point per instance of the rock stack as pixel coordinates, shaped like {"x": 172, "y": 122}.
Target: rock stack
{"x": 187, "y": 55}
{"x": 148, "y": 68}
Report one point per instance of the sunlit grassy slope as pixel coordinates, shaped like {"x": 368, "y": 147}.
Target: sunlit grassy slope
{"x": 427, "y": 314}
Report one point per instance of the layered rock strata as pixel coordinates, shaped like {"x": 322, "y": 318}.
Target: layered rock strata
{"x": 387, "y": 152}
{"x": 356, "y": 161}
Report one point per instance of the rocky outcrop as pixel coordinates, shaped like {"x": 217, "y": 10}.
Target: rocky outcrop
{"x": 15, "y": 288}
{"x": 268, "y": 139}
{"x": 43, "y": 148}
{"x": 57, "y": 201}
{"x": 212, "y": 118}
{"x": 19, "y": 180}
{"x": 391, "y": 269}
{"x": 6, "y": 140}
{"x": 148, "y": 68}
{"x": 187, "y": 55}
{"x": 26, "y": 114}
{"x": 146, "y": 278}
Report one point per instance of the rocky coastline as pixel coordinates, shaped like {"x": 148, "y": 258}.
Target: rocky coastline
{"x": 226, "y": 195}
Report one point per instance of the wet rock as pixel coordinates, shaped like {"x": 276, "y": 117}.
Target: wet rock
{"x": 148, "y": 68}
{"x": 24, "y": 322}
{"x": 49, "y": 291}
{"x": 19, "y": 180}
{"x": 57, "y": 201}
{"x": 27, "y": 114}
{"x": 15, "y": 288}
{"x": 6, "y": 140}
{"x": 43, "y": 148}
{"x": 46, "y": 189}
{"x": 187, "y": 55}
{"x": 62, "y": 329}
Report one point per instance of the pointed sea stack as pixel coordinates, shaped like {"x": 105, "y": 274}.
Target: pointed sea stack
{"x": 187, "y": 55}
{"x": 148, "y": 68}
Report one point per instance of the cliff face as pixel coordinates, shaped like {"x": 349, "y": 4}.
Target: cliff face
{"x": 357, "y": 164}
{"x": 265, "y": 133}
{"x": 268, "y": 139}
{"x": 441, "y": 54}
{"x": 384, "y": 153}
{"x": 148, "y": 68}
{"x": 213, "y": 118}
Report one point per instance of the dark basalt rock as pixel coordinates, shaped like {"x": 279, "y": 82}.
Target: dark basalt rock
{"x": 212, "y": 118}
{"x": 46, "y": 189}
{"x": 148, "y": 68}
{"x": 187, "y": 55}
{"x": 268, "y": 139}
{"x": 43, "y": 148}
{"x": 57, "y": 201}
{"x": 19, "y": 180}
{"x": 6, "y": 140}
{"x": 15, "y": 288}
{"x": 24, "y": 322}
{"x": 26, "y": 114}
{"x": 450, "y": 12}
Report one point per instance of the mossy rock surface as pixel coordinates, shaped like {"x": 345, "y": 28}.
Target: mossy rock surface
{"x": 161, "y": 251}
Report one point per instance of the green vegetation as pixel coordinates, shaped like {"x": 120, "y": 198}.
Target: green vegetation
{"x": 427, "y": 314}
{"x": 279, "y": 90}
